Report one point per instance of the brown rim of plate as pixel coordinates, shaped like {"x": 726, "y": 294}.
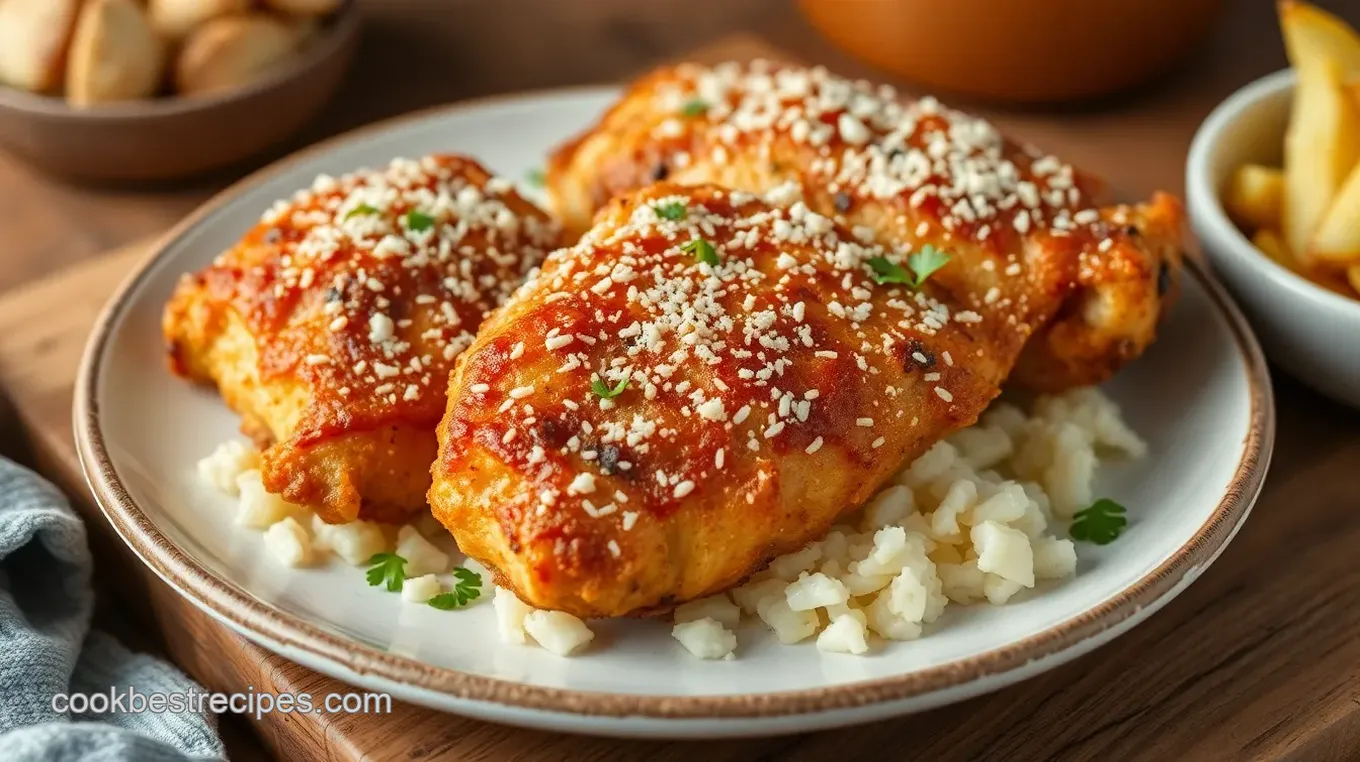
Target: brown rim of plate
{"x": 272, "y": 627}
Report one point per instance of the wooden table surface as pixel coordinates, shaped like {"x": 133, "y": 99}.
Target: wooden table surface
{"x": 424, "y": 52}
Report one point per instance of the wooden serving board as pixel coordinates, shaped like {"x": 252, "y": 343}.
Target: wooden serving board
{"x": 1259, "y": 659}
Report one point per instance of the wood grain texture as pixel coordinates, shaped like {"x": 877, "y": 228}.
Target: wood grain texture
{"x": 1257, "y": 660}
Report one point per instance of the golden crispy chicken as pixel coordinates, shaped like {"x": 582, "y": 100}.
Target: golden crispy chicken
{"x": 907, "y": 172}
{"x": 332, "y": 326}
{"x": 708, "y": 380}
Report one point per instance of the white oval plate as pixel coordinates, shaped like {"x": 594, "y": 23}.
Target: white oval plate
{"x": 1201, "y": 397}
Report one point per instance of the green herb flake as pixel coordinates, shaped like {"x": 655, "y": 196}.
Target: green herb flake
{"x": 536, "y": 178}
{"x": 468, "y": 588}
{"x": 361, "y": 209}
{"x": 888, "y": 272}
{"x": 694, "y": 107}
{"x": 418, "y": 221}
{"x": 920, "y": 266}
{"x": 388, "y": 569}
{"x": 1101, "y": 523}
{"x": 703, "y": 251}
{"x": 602, "y": 390}
{"x": 673, "y": 210}
{"x": 925, "y": 262}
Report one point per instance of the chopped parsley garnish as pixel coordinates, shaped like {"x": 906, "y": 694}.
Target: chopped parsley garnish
{"x": 888, "y": 272}
{"x": 361, "y": 209}
{"x": 920, "y": 266}
{"x": 673, "y": 210}
{"x": 602, "y": 390}
{"x": 468, "y": 588}
{"x": 1101, "y": 523}
{"x": 694, "y": 107}
{"x": 388, "y": 569}
{"x": 703, "y": 251}
{"x": 925, "y": 262}
{"x": 419, "y": 221}
{"x": 536, "y": 178}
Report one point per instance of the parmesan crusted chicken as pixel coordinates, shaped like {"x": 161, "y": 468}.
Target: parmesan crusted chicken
{"x": 332, "y": 326}
{"x": 707, "y": 380}
{"x": 907, "y": 173}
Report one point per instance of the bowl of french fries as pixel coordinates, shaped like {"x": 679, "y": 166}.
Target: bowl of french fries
{"x": 156, "y": 89}
{"x": 1273, "y": 188}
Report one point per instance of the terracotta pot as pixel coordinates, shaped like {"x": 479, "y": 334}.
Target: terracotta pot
{"x": 173, "y": 137}
{"x": 1017, "y": 50}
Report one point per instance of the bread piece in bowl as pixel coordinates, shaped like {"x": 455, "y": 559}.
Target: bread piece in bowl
{"x": 115, "y": 55}
{"x": 34, "y": 37}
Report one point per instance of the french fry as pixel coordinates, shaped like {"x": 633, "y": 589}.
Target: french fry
{"x": 1253, "y": 196}
{"x": 1272, "y": 245}
{"x": 1332, "y": 280}
{"x": 1307, "y": 218}
{"x": 1320, "y": 148}
{"x": 1337, "y": 239}
{"x": 1312, "y": 35}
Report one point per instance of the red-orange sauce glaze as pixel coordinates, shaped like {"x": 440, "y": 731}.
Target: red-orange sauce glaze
{"x": 907, "y": 172}
{"x": 767, "y": 382}
{"x": 356, "y": 294}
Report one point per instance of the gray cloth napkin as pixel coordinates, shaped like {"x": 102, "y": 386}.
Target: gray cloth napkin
{"x": 47, "y": 648}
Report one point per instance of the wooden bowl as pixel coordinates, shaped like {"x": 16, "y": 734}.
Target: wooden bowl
{"x": 1017, "y": 50}
{"x": 173, "y": 137}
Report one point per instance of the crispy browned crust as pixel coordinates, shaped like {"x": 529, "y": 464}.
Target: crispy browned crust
{"x": 523, "y": 422}
{"x": 281, "y": 325}
{"x": 1102, "y": 307}
{"x": 1120, "y": 296}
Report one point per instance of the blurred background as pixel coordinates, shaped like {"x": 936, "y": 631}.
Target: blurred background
{"x": 1168, "y": 63}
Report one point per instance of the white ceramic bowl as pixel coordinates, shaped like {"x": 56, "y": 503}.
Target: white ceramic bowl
{"x": 1308, "y": 331}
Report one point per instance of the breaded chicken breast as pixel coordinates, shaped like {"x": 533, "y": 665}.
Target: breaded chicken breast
{"x": 332, "y": 326}
{"x": 905, "y": 172}
{"x": 708, "y": 380}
